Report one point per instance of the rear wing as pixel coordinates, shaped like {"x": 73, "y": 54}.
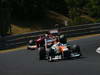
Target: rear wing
{"x": 54, "y": 32}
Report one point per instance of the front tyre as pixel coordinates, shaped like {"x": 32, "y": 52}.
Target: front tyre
{"x": 42, "y": 53}
{"x": 51, "y": 55}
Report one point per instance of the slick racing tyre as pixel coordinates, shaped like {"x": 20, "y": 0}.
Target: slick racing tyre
{"x": 51, "y": 55}
{"x": 42, "y": 53}
{"x": 76, "y": 49}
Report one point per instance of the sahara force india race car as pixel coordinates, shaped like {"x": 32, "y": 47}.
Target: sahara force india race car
{"x": 57, "y": 49}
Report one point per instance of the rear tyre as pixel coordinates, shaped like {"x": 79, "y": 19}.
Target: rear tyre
{"x": 76, "y": 49}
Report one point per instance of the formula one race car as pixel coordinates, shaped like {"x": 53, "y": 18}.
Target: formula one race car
{"x": 36, "y": 43}
{"x": 60, "y": 51}
{"x": 57, "y": 48}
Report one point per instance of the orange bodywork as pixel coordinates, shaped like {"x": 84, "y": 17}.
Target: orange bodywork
{"x": 61, "y": 48}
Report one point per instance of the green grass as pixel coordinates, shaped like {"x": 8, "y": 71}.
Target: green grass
{"x": 20, "y": 30}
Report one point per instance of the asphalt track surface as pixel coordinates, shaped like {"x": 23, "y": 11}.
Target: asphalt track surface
{"x": 25, "y": 62}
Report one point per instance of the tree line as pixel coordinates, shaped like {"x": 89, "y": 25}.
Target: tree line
{"x": 78, "y": 11}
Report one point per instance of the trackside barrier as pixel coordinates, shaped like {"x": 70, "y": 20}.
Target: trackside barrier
{"x": 70, "y": 31}
{"x": 18, "y": 40}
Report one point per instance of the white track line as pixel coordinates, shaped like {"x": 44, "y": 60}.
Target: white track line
{"x": 98, "y": 50}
